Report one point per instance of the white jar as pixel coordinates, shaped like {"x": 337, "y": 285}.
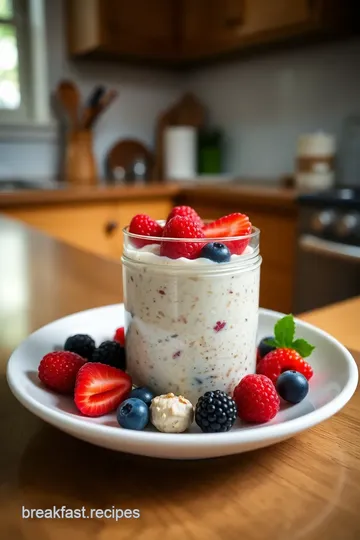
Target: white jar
{"x": 191, "y": 325}
{"x": 315, "y": 161}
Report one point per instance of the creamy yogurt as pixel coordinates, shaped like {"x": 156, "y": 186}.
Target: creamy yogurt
{"x": 190, "y": 324}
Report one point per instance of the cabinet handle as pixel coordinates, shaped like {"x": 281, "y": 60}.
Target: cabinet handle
{"x": 111, "y": 227}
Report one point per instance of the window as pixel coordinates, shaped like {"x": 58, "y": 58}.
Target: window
{"x": 24, "y": 96}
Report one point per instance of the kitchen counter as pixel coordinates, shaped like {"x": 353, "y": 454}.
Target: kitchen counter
{"x": 306, "y": 487}
{"x": 226, "y": 192}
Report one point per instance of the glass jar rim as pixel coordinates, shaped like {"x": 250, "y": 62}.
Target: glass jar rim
{"x": 255, "y": 232}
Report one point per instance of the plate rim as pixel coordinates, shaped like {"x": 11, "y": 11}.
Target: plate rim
{"x": 153, "y": 438}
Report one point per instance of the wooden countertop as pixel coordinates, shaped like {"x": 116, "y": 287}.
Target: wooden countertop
{"x": 226, "y": 192}
{"x": 71, "y": 194}
{"x": 304, "y": 488}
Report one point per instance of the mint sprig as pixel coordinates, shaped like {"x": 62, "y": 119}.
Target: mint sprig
{"x": 284, "y": 332}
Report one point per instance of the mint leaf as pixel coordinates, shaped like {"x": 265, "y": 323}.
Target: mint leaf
{"x": 271, "y": 342}
{"x": 303, "y": 347}
{"x": 285, "y": 331}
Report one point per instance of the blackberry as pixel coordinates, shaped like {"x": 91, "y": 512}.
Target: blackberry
{"x": 81, "y": 344}
{"x": 215, "y": 412}
{"x": 110, "y": 353}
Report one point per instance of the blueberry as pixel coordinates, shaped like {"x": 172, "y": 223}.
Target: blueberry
{"x": 133, "y": 413}
{"x": 216, "y": 252}
{"x": 142, "y": 393}
{"x": 264, "y": 348}
{"x": 292, "y": 386}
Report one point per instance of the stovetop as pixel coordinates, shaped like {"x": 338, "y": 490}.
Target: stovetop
{"x": 336, "y": 198}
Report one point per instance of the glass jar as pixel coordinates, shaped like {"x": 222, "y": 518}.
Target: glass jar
{"x": 190, "y": 325}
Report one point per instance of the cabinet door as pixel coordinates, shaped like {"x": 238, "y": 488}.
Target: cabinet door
{"x": 215, "y": 26}
{"x": 139, "y": 27}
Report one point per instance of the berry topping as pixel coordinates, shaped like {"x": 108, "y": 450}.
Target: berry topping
{"x": 264, "y": 347}
{"x": 256, "y": 399}
{"x": 120, "y": 336}
{"x": 231, "y": 225}
{"x": 181, "y": 227}
{"x": 110, "y": 353}
{"x": 58, "y": 370}
{"x": 216, "y": 252}
{"x": 185, "y": 211}
{"x": 289, "y": 353}
{"x": 142, "y": 393}
{"x": 220, "y": 325}
{"x": 280, "y": 360}
{"x": 133, "y": 413}
{"x": 215, "y": 412}
{"x": 100, "y": 389}
{"x": 81, "y": 344}
{"x": 145, "y": 226}
{"x": 292, "y": 386}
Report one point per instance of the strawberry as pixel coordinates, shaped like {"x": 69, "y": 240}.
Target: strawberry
{"x": 280, "y": 360}
{"x": 289, "y": 353}
{"x": 232, "y": 225}
{"x": 100, "y": 389}
{"x": 181, "y": 227}
{"x": 145, "y": 226}
{"x": 120, "y": 336}
{"x": 58, "y": 370}
{"x": 185, "y": 211}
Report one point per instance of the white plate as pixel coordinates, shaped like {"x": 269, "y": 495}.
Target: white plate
{"x": 333, "y": 384}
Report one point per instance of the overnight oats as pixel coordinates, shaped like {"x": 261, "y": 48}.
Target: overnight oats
{"x": 191, "y": 294}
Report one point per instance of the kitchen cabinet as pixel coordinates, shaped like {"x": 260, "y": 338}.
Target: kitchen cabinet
{"x": 184, "y": 31}
{"x": 213, "y": 27}
{"x": 95, "y": 227}
{"x": 136, "y": 28}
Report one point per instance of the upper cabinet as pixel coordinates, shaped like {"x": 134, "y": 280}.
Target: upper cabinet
{"x": 123, "y": 28}
{"x": 184, "y": 31}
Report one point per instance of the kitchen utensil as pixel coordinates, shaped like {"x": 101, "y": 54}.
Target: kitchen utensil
{"x": 180, "y": 152}
{"x": 80, "y": 164}
{"x": 315, "y": 163}
{"x": 69, "y": 97}
{"x": 92, "y": 103}
{"x": 123, "y": 157}
{"x": 332, "y": 386}
{"x": 95, "y": 111}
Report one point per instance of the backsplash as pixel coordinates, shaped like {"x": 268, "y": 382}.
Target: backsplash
{"x": 264, "y": 103}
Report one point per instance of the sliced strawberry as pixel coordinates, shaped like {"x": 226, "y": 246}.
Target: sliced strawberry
{"x": 232, "y": 225}
{"x": 100, "y": 389}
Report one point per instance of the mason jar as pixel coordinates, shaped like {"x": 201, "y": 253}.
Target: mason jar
{"x": 190, "y": 325}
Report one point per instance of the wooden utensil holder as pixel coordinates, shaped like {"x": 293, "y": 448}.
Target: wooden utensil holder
{"x": 80, "y": 163}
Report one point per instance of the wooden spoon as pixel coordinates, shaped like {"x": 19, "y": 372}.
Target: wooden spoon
{"x": 69, "y": 97}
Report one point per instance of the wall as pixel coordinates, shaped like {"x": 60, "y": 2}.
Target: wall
{"x": 264, "y": 103}
{"x": 143, "y": 94}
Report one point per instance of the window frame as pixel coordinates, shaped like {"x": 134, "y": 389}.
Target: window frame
{"x": 34, "y": 111}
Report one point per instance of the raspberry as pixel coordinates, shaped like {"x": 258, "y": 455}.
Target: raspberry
{"x": 145, "y": 226}
{"x": 58, "y": 370}
{"x": 81, "y": 344}
{"x": 185, "y": 211}
{"x": 110, "y": 353}
{"x": 256, "y": 399}
{"x": 181, "y": 227}
{"x": 120, "y": 336}
{"x": 215, "y": 412}
{"x": 283, "y": 359}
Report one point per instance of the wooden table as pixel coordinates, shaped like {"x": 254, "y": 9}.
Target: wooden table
{"x": 304, "y": 488}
